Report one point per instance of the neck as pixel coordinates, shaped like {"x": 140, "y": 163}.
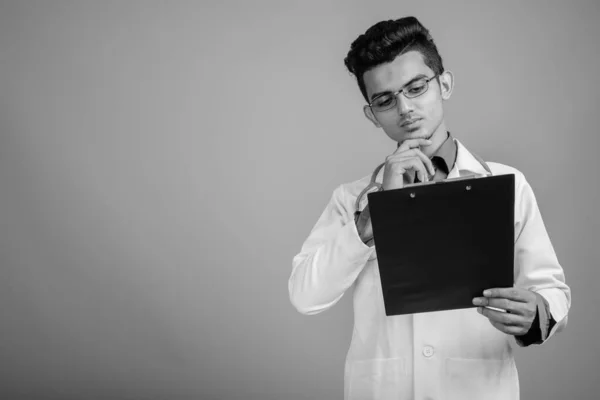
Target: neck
{"x": 438, "y": 138}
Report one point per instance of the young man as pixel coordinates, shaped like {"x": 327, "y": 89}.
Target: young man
{"x": 456, "y": 354}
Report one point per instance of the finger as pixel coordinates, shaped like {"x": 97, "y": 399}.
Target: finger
{"x": 405, "y": 161}
{"x": 527, "y": 310}
{"x": 426, "y": 161}
{"x": 508, "y": 329}
{"x": 503, "y": 304}
{"x": 418, "y": 153}
{"x": 415, "y": 164}
{"x": 393, "y": 175}
{"x": 516, "y": 294}
{"x": 412, "y": 144}
{"x": 502, "y": 317}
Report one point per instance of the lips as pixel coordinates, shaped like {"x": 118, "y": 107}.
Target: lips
{"x": 410, "y": 122}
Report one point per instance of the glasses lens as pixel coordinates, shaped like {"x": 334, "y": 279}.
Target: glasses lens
{"x": 384, "y": 102}
{"x": 416, "y": 89}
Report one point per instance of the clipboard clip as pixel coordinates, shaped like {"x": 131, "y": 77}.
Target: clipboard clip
{"x": 462, "y": 178}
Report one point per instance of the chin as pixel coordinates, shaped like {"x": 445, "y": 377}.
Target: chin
{"x": 417, "y": 134}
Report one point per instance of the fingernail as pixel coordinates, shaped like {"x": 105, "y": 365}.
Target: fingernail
{"x": 487, "y": 293}
{"x": 476, "y": 302}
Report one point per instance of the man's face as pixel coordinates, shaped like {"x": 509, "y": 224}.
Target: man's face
{"x": 419, "y": 117}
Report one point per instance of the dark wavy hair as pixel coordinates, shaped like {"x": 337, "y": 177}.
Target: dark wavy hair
{"x": 386, "y": 40}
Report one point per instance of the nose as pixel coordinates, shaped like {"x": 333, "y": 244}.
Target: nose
{"x": 404, "y": 105}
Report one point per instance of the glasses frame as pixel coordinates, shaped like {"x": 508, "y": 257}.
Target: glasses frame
{"x": 396, "y": 93}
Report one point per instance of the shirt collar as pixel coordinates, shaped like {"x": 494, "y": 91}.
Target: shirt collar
{"x": 466, "y": 163}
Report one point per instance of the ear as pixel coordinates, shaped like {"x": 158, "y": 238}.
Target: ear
{"x": 370, "y": 116}
{"x": 446, "y": 84}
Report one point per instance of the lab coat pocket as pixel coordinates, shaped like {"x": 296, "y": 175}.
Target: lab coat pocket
{"x": 482, "y": 379}
{"x": 379, "y": 379}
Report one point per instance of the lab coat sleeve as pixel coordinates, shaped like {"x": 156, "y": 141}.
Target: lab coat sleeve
{"x": 536, "y": 265}
{"x": 330, "y": 259}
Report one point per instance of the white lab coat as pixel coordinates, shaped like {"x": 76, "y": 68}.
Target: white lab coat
{"x": 453, "y": 354}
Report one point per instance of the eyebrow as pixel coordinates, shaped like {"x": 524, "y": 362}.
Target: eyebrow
{"x": 416, "y": 78}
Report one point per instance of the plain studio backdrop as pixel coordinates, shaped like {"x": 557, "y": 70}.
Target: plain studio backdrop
{"x": 162, "y": 162}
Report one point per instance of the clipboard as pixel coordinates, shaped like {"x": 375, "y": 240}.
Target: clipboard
{"x": 440, "y": 244}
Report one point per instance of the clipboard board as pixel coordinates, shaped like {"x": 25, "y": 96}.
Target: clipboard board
{"x": 440, "y": 244}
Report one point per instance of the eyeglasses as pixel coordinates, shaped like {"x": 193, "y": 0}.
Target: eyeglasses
{"x": 389, "y": 100}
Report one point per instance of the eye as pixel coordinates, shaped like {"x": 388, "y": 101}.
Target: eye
{"x": 416, "y": 88}
{"x": 383, "y": 101}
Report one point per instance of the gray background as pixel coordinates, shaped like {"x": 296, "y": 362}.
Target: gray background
{"x": 162, "y": 162}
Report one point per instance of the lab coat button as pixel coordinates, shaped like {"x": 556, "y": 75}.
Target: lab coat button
{"x": 427, "y": 351}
